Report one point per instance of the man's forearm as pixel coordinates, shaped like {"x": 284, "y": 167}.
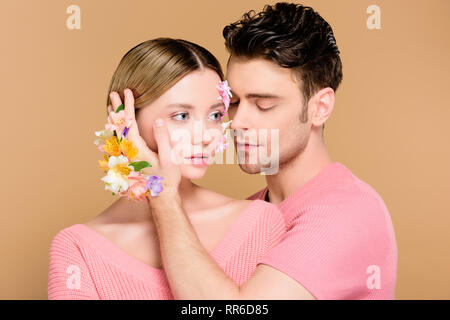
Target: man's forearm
{"x": 190, "y": 270}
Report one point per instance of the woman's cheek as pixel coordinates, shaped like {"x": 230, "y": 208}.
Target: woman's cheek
{"x": 180, "y": 143}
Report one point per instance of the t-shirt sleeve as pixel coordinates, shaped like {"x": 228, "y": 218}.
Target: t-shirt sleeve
{"x": 68, "y": 274}
{"x": 329, "y": 249}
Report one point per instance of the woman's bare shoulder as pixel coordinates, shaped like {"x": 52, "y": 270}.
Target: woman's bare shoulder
{"x": 119, "y": 217}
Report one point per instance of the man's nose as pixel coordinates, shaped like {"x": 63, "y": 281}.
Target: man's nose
{"x": 241, "y": 117}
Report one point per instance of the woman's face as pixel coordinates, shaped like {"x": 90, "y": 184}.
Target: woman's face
{"x": 192, "y": 111}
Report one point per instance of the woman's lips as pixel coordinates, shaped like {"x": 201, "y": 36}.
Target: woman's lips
{"x": 199, "y": 159}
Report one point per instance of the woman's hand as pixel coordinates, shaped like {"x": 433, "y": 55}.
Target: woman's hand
{"x": 161, "y": 162}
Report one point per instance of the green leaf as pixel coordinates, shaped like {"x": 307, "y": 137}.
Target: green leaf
{"x": 119, "y": 108}
{"x": 139, "y": 165}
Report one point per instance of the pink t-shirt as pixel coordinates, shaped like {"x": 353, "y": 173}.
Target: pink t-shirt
{"x": 340, "y": 241}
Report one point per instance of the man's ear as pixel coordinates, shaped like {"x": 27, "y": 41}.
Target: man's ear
{"x": 323, "y": 103}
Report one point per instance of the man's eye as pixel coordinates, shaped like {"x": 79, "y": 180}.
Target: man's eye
{"x": 265, "y": 107}
{"x": 180, "y": 116}
{"x": 234, "y": 103}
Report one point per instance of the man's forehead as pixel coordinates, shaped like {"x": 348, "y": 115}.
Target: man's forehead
{"x": 258, "y": 77}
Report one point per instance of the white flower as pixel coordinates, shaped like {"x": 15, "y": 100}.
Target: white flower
{"x": 115, "y": 182}
{"x": 103, "y": 135}
{"x": 225, "y": 125}
{"x": 117, "y": 160}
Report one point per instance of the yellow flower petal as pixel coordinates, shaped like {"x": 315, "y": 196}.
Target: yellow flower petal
{"x": 128, "y": 149}
{"x": 103, "y": 165}
{"x": 122, "y": 168}
{"x": 112, "y": 147}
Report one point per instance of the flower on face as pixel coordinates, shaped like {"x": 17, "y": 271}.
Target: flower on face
{"x": 223, "y": 144}
{"x": 104, "y": 163}
{"x": 123, "y": 174}
{"x": 112, "y": 147}
{"x": 225, "y": 125}
{"x": 116, "y": 178}
{"x": 115, "y": 182}
{"x": 103, "y": 136}
{"x": 154, "y": 185}
{"x": 128, "y": 149}
{"x": 225, "y": 93}
{"x": 125, "y": 132}
{"x": 120, "y": 165}
{"x": 118, "y": 121}
{"x": 137, "y": 189}
{"x": 224, "y": 89}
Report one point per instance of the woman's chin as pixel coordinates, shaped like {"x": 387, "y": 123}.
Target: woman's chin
{"x": 193, "y": 171}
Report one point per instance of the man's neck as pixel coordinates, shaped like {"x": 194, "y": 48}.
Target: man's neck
{"x": 298, "y": 171}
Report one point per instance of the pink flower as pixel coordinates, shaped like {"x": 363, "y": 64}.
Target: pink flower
{"x": 225, "y": 94}
{"x": 118, "y": 121}
{"x": 223, "y": 144}
{"x": 137, "y": 186}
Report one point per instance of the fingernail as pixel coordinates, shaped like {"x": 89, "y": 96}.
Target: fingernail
{"x": 159, "y": 122}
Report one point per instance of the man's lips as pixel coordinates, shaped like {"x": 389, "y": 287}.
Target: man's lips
{"x": 240, "y": 142}
{"x": 241, "y": 145}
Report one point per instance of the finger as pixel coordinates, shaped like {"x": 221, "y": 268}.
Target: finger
{"x": 161, "y": 135}
{"x": 110, "y": 109}
{"x": 145, "y": 153}
{"x": 115, "y": 100}
{"x": 129, "y": 103}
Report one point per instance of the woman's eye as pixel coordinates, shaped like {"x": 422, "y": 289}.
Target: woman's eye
{"x": 180, "y": 116}
{"x": 216, "y": 115}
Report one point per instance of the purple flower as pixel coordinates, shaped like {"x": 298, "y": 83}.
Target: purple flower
{"x": 125, "y": 132}
{"x": 154, "y": 185}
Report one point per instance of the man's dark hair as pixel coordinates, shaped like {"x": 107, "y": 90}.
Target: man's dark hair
{"x": 293, "y": 36}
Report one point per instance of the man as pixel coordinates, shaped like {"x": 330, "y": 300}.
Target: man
{"x": 284, "y": 69}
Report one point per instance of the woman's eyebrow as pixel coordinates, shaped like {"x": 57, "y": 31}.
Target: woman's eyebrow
{"x": 189, "y": 106}
{"x": 180, "y": 105}
{"x": 218, "y": 104}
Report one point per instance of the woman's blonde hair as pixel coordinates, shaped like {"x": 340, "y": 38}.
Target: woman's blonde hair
{"x": 154, "y": 66}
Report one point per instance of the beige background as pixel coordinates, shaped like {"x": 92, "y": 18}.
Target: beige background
{"x": 390, "y": 124}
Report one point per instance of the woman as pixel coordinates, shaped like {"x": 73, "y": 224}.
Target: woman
{"x": 116, "y": 255}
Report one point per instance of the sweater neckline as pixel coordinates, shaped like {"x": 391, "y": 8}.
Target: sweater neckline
{"x": 226, "y": 246}
{"x": 310, "y": 183}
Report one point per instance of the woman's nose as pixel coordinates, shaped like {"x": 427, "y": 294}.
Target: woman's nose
{"x": 201, "y": 134}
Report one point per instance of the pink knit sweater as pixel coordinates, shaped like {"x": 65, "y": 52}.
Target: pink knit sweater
{"x": 83, "y": 264}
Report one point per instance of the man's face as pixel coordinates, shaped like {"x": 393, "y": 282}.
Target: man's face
{"x": 265, "y": 96}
